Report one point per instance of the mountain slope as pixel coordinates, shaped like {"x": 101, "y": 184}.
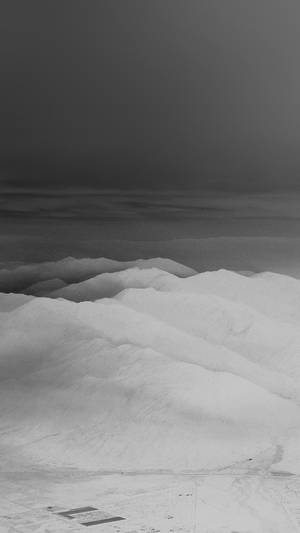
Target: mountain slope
{"x": 103, "y": 385}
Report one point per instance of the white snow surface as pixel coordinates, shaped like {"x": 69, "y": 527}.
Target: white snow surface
{"x": 156, "y": 371}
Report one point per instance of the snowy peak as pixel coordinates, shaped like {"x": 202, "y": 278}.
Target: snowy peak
{"x": 142, "y": 368}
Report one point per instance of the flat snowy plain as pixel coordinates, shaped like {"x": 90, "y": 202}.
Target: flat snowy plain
{"x": 149, "y": 392}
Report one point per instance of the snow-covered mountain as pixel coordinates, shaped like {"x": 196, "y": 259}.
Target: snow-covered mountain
{"x": 148, "y": 366}
{"x": 25, "y": 277}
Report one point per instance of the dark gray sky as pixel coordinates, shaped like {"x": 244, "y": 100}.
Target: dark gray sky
{"x": 150, "y": 93}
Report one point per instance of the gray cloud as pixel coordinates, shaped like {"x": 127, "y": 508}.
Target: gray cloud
{"x": 173, "y": 205}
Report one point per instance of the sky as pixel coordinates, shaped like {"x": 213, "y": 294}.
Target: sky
{"x": 147, "y": 120}
{"x": 133, "y": 94}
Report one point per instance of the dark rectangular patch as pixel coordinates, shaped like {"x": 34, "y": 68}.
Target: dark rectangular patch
{"x": 104, "y": 521}
{"x": 75, "y": 511}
